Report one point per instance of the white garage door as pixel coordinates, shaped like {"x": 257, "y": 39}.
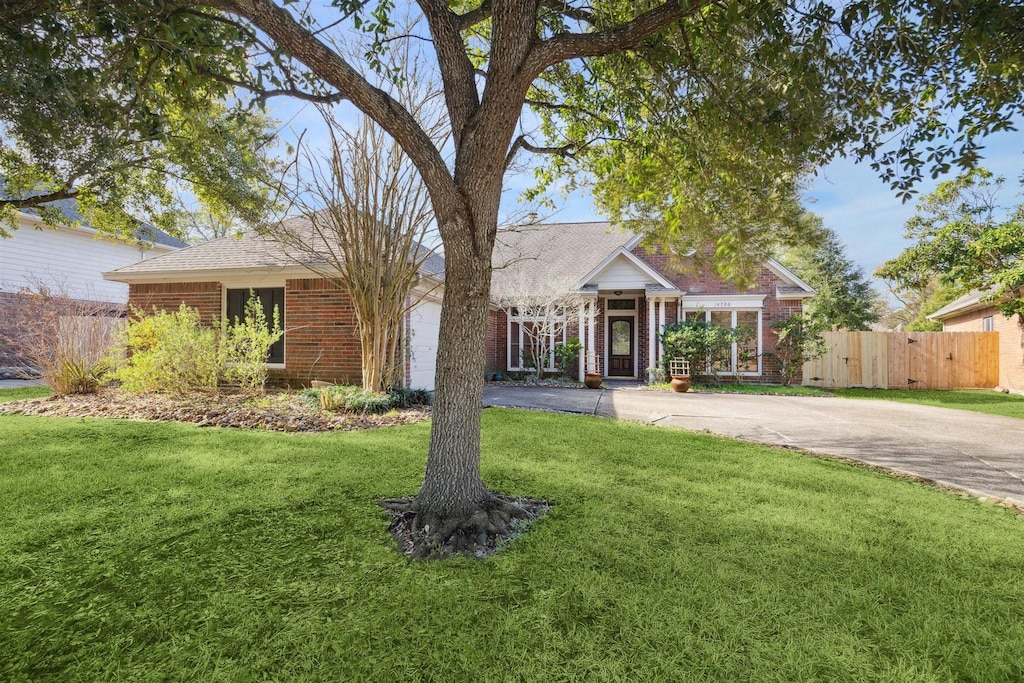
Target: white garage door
{"x": 425, "y": 324}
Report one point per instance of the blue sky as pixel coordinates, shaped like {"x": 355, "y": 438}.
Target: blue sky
{"x": 849, "y": 196}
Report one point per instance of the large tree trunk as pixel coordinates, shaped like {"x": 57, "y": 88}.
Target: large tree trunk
{"x": 454, "y": 511}
{"x": 452, "y": 486}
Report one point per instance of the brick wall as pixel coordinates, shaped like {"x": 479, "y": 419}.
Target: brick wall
{"x": 321, "y": 335}
{"x": 1011, "y": 342}
{"x": 206, "y": 297}
{"x": 497, "y": 341}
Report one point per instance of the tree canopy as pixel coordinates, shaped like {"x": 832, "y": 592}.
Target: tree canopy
{"x": 844, "y": 295}
{"x": 967, "y": 240}
{"x": 112, "y": 105}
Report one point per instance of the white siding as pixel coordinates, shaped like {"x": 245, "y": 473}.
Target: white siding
{"x": 621, "y": 273}
{"x": 424, "y": 328}
{"x": 69, "y": 258}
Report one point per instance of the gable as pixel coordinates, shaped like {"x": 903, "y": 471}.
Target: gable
{"x": 624, "y": 270}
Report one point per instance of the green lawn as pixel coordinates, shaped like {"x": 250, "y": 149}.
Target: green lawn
{"x": 25, "y": 392}
{"x": 991, "y": 402}
{"x": 161, "y": 551}
{"x": 771, "y": 389}
{"x": 763, "y": 389}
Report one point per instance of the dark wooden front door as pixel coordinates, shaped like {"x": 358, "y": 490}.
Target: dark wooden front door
{"x": 620, "y": 347}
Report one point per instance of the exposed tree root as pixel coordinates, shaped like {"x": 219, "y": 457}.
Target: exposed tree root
{"x": 499, "y": 519}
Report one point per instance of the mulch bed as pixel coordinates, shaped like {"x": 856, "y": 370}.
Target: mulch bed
{"x": 407, "y": 540}
{"x": 281, "y": 412}
{"x": 549, "y": 383}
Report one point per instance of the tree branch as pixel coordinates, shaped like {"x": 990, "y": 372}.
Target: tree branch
{"x": 37, "y": 199}
{"x": 555, "y": 106}
{"x": 457, "y": 71}
{"x": 328, "y": 65}
{"x": 264, "y": 95}
{"x": 575, "y": 13}
{"x": 473, "y": 17}
{"x": 566, "y": 151}
{"x": 564, "y": 46}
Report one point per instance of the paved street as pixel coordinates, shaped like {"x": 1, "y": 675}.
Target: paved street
{"x": 982, "y": 454}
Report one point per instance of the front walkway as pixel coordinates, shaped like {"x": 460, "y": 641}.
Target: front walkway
{"x": 980, "y": 454}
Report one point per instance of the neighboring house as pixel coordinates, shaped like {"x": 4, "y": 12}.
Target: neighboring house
{"x": 631, "y": 293}
{"x": 970, "y": 314}
{"x": 321, "y": 337}
{"x": 68, "y": 259}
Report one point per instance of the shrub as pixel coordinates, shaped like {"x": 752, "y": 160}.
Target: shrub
{"x": 366, "y": 401}
{"x": 355, "y": 399}
{"x": 566, "y": 355}
{"x": 799, "y": 340}
{"x": 247, "y": 344}
{"x": 63, "y": 339}
{"x": 406, "y": 398}
{"x": 704, "y": 345}
{"x": 170, "y": 352}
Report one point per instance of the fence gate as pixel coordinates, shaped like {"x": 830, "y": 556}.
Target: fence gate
{"x": 906, "y": 360}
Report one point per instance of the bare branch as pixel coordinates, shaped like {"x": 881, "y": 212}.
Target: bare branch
{"x": 299, "y": 41}
{"x": 542, "y": 309}
{"x": 457, "y": 71}
{"x": 564, "y": 46}
{"x": 521, "y": 142}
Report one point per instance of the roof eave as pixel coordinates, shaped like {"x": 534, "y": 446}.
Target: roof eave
{"x": 786, "y": 274}
{"x": 203, "y": 275}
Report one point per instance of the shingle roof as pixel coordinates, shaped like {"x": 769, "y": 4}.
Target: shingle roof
{"x": 967, "y": 301}
{"x": 566, "y": 251}
{"x": 249, "y": 251}
{"x": 146, "y": 233}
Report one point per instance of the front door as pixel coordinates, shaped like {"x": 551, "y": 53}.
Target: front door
{"x": 620, "y": 347}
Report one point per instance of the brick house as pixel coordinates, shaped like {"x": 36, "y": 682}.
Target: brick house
{"x": 321, "y": 338}
{"x": 970, "y": 314}
{"x": 630, "y": 294}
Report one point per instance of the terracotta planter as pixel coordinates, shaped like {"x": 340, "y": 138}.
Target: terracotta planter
{"x": 592, "y": 380}
{"x": 680, "y": 383}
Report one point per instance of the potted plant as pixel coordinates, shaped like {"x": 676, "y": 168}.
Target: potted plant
{"x": 592, "y": 375}
{"x": 679, "y": 371}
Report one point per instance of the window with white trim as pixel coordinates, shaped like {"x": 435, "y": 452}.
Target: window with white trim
{"x": 523, "y": 331}
{"x": 988, "y": 324}
{"x": 745, "y": 355}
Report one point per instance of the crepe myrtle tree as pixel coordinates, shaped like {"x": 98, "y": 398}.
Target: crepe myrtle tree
{"x": 364, "y": 216}
{"x": 694, "y": 119}
{"x": 542, "y": 309}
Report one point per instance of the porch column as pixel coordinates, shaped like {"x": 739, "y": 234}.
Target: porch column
{"x": 661, "y": 328}
{"x": 583, "y": 340}
{"x": 650, "y": 333}
{"x": 592, "y": 337}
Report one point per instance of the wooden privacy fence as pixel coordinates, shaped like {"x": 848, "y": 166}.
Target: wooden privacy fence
{"x": 906, "y": 360}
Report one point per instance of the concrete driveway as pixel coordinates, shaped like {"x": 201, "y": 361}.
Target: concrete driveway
{"x": 980, "y": 454}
